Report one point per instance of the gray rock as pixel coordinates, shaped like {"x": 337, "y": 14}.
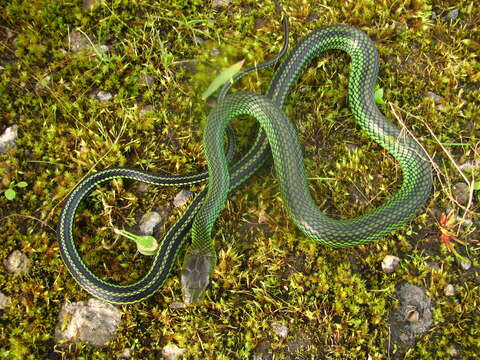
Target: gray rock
{"x": 145, "y": 80}
{"x": 103, "y": 96}
{"x": 177, "y": 305}
{"x": 8, "y": 138}
{"x": 4, "y": 301}
{"x": 453, "y": 352}
{"x": 470, "y": 165}
{"x": 148, "y": 222}
{"x": 449, "y": 290}
{"x": 90, "y": 4}
{"x": 77, "y": 41}
{"x": 452, "y": 15}
{"x": 182, "y": 197}
{"x": 17, "y": 263}
{"x": 172, "y": 352}
{"x": 94, "y": 322}
{"x": 126, "y": 354}
{"x": 280, "y": 329}
{"x": 390, "y": 263}
{"x": 263, "y": 351}
{"x": 465, "y": 264}
{"x": 461, "y": 192}
{"x": 220, "y": 3}
{"x": 437, "y": 99}
{"x": 145, "y": 109}
{"x": 412, "y": 319}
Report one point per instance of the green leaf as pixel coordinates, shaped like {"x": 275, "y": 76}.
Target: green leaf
{"x": 10, "y": 194}
{"x": 146, "y": 244}
{"x": 476, "y": 185}
{"x": 22, "y": 184}
{"x": 222, "y": 78}
{"x": 378, "y": 96}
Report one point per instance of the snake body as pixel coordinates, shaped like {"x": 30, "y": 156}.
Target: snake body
{"x": 276, "y": 136}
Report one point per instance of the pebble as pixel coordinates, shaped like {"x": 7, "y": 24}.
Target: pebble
{"x": 17, "y": 263}
{"x": 177, "y": 305}
{"x": 453, "y": 352}
{"x": 452, "y": 15}
{"x": 145, "y": 109}
{"x": 449, "y": 290}
{"x": 437, "y": 99}
{"x": 4, "y": 301}
{"x": 8, "y": 138}
{"x": 280, "y": 329}
{"x": 94, "y": 322}
{"x": 465, "y": 264}
{"x": 182, "y": 197}
{"x": 103, "y": 96}
{"x": 390, "y": 263}
{"x": 172, "y": 352}
{"x": 126, "y": 354}
{"x": 89, "y": 4}
{"x": 220, "y": 3}
{"x": 145, "y": 80}
{"x": 77, "y": 41}
{"x": 148, "y": 222}
{"x": 413, "y": 316}
{"x": 470, "y": 165}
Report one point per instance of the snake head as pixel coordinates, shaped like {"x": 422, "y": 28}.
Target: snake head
{"x": 197, "y": 267}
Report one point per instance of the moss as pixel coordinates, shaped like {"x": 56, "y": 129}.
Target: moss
{"x": 336, "y": 303}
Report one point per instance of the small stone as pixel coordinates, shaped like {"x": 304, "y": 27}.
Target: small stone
{"x": 145, "y": 80}
{"x": 8, "y": 138}
{"x": 461, "y": 192}
{"x": 145, "y": 109}
{"x": 126, "y": 354}
{"x": 437, "y": 99}
{"x": 452, "y": 15}
{"x": 390, "y": 263}
{"x": 260, "y": 23}
{"x": 103, "y": 48}
{"x": 4, "y": 301}
{"x": 172, "y": 352}
{"x": 148, "y": 222}
{"x": 103, "y": 96}
{"x": 77, "y": 41}
{"x": 449, "y": 290}
{"x": 142, "y": 187}
{"x": 89, "y": 4}
{"x": 190, "y": 65}
{"x": 17, "y": 263}
{"x": 453, "y": 352}
{"x": 413, "y": 316}
{"x": 280, "y": 329}
{"x": 465, "y": 264}
{"x": 177, "y": 305}
{"x": 215, "y": 52}
{"x": 182, "y": 197}
{"x": 470, "y": 165}
{"x": 220, "y": 3}
{"x": 94, "y": 322}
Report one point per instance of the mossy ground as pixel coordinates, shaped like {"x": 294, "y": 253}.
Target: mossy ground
{"x": 336, "y": 303}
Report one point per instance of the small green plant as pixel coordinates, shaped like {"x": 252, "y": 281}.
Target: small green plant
{"x": 10, "y": 193}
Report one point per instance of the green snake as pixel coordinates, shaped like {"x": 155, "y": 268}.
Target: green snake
{"x": 277, "y": 138}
